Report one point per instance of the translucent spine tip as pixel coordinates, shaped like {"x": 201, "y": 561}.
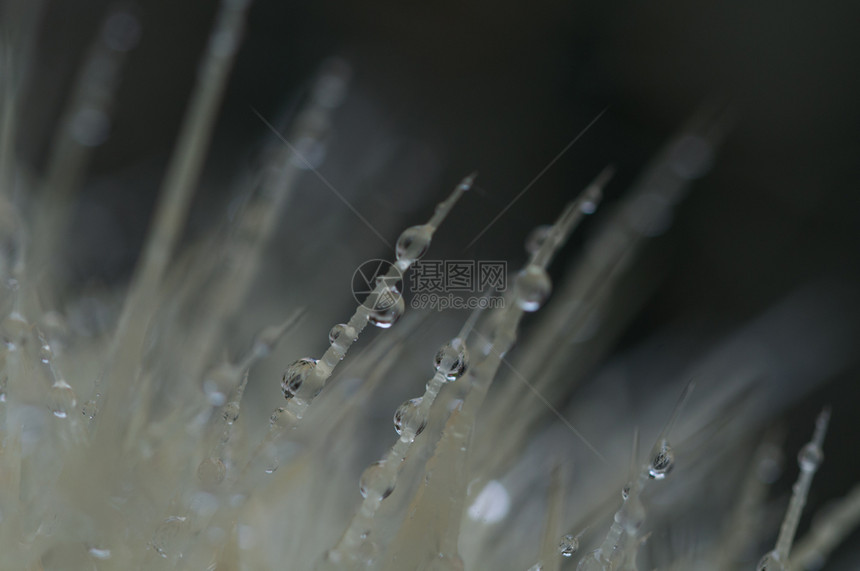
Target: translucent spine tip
{"x": 380, "y": 478}
{"x": 809, "y": 459}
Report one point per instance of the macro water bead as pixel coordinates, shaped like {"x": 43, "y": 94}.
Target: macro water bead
{"x": 295, "y": 375}
{"x": 413, "y": 243}
{"x": 452, "y": 361}
{"x": 408, "y": 417}
{"x": 388, "y": 307}
{"x": 568, "y": 545}
{"x": 531, "y": 288}
{"x": 662, "y": 463}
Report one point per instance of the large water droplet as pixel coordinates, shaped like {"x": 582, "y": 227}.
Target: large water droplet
{"x": 387, "y": 308}
{"x": 211, "y": 472}
{"x": 408, "y": 418}
{"x": 531, "y": 288}
{"x": 295, "y": 375}
{"x": 61, "y": 399}
{"x": 413, "y": 243}
{"x": 662, "y": 463}
{"x": 375, "y": 480}
{"x": 568, "y": 545}
{"x": 452, "y": 361}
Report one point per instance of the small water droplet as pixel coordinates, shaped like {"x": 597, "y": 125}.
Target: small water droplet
{"x": 452, "y": 361}
{"x": 568, "y": 545}
{"x": 625, "y": 491}
{"x": 45, "y": 353}
{"x": 61, "y": 399}
{"x": 341, "y": 332}
{"x": 211, "y": 472}
{"x": 387, "y": 307}
{"x": 413, "y": 243}
{"x": 537, "y": 237}
{"x": 282, "y": 419}
{"x": 230, "y": 413}
{"x": 408, "y": 418}
{"x": 662, "y": 463}
{"x": 15, "y": 329}
{"x": 295, "y": 375}
{"x": 167, "y": 536}
{"x": 531, "y": 288}
{"x": 810, "y": 457}
{"x": 90, "y": 409}
{"x": 376, "y": 480}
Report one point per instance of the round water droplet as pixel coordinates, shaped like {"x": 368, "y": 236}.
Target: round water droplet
{"x": 211, "y": 472}
{"x": 536, "y": 238}
{"x": 531, "y": 288}
{"x": 568, "y": 545}
{"x": 61, "y": 399}
{"x": 662, "y": 463}
{"x": 376, "y": 481}
{"x": 452, "y": 361}
{"x": 230, "y": 413}
{"x": 387, "y": 308}
{"x": 625, "y": 491}
{"x": 45, "y": 353}
{"x": 771, "y": 562}
{"x": 413, "y": 243}
{"x": 341, "y": 332}
{"x": 295, "y": 375}
{"x": 167, "y": 537}
{"x": 408, "y": 418}
{"x": 810, "y": 457}
{"x": 282, "y": 419}
{"x": 90, "y": 409}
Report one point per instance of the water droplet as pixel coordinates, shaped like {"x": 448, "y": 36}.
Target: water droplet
{"x": 45, "y": 353}
{"x": 810, "y": 457}
{"x": 90, "y": 409}
{"x": 266, "y": 340}
{"x": 387, "y": 308}
{"x": 211, "y": 472}
{"x": 568, "y": 545}
{"x": 295, "y": 375}
{"x": 452, "y": 361}
{"x": 15, "y": 329}
{"x": 531, "y": 288}
{"x": 282, "y": 419}
{"x": 167, "y": 536}
{"x": 408, "y": 418}
{"x": 662, "y": 463}
{"x": 341, "y": 332}
{"x": 61, "y": 399}
{"x": 413, "y": 243}
{"x": 376, "y": 480}
{"x": 230, "y": 413}
{"x": 99, "y": 552}
{"x": 625, "y": 491}
{"x": 536, "y": 238}
{"x": 770, "y": 562}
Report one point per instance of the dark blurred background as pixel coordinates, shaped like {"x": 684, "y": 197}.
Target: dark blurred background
{"x": 440, "y": 89}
